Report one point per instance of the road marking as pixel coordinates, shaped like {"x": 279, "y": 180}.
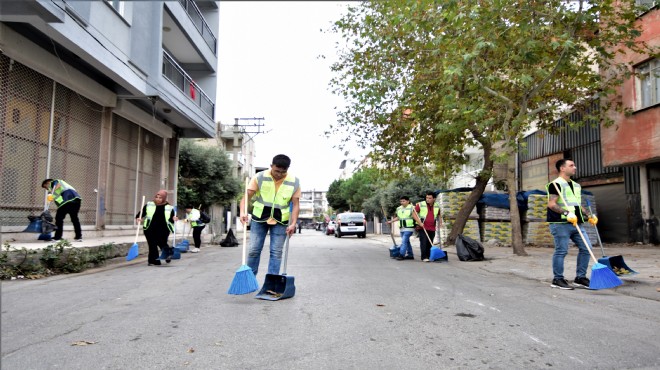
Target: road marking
{"x": 483, "y": 305}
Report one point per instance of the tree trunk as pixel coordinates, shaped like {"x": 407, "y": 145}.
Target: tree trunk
{"x": 473, "y": 198}
{"x": 516, "y": 226}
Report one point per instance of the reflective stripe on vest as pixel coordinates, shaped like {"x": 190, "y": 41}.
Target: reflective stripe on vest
{"x": 573, "y": 197}
{"x": 424, "y": 210}
{"x": 267, "y": 198}
{"x": 64, "y": 193}
{"x": 405, "y": 216}
{"x": 151, "y": 209}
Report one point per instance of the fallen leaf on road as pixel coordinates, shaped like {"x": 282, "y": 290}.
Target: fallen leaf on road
{"x": 380, "y": 305}
{"x": 82, "y": 343}
{"x": 657, "y": 289}
{"x": 191, "y": 350}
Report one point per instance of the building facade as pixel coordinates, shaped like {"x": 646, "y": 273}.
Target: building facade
{"x": 98, "y": 93}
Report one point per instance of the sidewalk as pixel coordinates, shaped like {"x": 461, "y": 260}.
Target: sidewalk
{"x": 645, "y": 259}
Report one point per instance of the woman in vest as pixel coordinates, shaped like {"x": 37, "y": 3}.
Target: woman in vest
{"x": 68, "y": 202}
{"x": 194, "y": 217}
{"x": 275, "y": 210}
{"x": 157, "y": 218}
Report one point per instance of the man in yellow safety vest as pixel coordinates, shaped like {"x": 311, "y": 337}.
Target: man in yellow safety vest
{"x": 275, "y": 209}
{"x": 564, "y": 220}
{"x": 68, "y": 202}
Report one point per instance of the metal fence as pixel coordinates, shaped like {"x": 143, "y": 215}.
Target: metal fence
{"x": 46, "y": 131}
{"x": 135, "y": 170}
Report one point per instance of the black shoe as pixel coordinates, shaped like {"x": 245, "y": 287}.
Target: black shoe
{"x": 399, "y": 258}
{"x": 154, "y": 263}
{"x": 561, "y": 284}
{"x": 408, "y": 258}
{"x": 581, "y": 282}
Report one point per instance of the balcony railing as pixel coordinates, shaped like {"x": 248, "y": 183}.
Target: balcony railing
{"x": 179, "y": 78}
{"x": 200, "y": 23}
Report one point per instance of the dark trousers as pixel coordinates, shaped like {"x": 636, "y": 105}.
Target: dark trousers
{"x": 156, "y": 239}
{"x": 70, "y": 208}
{"x": 424, "y": 243}
{"x": 197, "y": 235}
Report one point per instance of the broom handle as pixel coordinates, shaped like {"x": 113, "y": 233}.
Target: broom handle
{"x": 576, "y": 225}
{"x": 286, "y": 254}
{"x": 391, "y": 234}
{"x": 245, "y": 200}
{"x": 427, "y": 234}
{"x": 137, "y": 229}
{"x": 600, "y": 243}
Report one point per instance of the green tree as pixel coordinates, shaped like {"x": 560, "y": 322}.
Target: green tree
{"x": 358, "y": 188}
{"x": 424, "y": 80}
{"x": 205, "y": 176}
{"x": 335, "y": 198}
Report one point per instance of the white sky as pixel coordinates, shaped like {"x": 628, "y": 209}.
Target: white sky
{"x": 269, "y": 67}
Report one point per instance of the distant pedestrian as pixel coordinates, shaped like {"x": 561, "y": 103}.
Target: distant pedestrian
{"x": 194, "y": 217}
{"x": 68, "y": 202}
{"x": 299, "y": 227}
{"x": 275, "y": 210}
{"x": 429, "y": 214}
{"x": 564, "y": 220}
{"x": 404, "y": 214}
{"x": 157, "y": 218}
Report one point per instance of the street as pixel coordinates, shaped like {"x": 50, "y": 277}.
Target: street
{"x": 354, "y": 308}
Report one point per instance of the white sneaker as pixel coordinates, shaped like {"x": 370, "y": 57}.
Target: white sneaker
{"x": 194, "y": 250}
{"x": 425, "y": 260}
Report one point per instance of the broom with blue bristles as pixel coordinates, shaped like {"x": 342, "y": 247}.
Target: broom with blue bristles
{"x": 244, "y": 280}
{"x": 601, "y": 276}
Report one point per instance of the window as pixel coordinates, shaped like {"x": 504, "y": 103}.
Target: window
{"x": 648, "y": 83}
{"x": 118, "y": 5}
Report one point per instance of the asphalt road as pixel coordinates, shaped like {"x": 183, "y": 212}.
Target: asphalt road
{"x": 354, "y": 308}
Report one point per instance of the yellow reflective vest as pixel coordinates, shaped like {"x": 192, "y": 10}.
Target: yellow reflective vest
{"x": 405, "y": 216}
{"x": 573, "y": 198}
{"x": 269, "y": 203}
{"x": 424, "y": 210}
{"x": 151, "y": 209}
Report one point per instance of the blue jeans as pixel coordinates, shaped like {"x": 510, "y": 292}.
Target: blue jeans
{"x": 258, "y": 231}
{"x": 406, "y": 247}
{"x": 562, "y": 233}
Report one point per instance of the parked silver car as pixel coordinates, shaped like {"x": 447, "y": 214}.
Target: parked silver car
{"x": 351, "y": 223}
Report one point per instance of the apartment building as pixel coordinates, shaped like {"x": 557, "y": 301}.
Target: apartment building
{"x": 99, "y": 93}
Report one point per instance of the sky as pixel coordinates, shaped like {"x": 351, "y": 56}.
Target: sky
{"x": 269, "y": 67}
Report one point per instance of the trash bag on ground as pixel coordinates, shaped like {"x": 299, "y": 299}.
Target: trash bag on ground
{"x": 230, "y": 240}
{"x": 469, "y": 249}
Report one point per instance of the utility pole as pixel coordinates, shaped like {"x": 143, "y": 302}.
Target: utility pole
{"x": 250, "y": 129}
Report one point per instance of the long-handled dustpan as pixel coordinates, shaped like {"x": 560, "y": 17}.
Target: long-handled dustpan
{"x": 614, "y": 263}
{"x": 278, "y": 287}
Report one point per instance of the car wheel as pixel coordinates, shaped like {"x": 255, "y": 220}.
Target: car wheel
{"x": 338, "y": 234}
{"x": 364, "y": 235}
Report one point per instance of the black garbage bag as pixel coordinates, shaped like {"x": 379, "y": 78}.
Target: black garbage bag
{"x": 41, "y": 224}
{"x": 230, "y": 240}
{"x": 469, "y": 249}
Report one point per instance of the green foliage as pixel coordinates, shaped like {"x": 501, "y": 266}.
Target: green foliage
{"x": 424, "y": 80}
{"x": 53, "y": 259}
{"x": 205, "y": 176}
{"x": 335, "y": 198}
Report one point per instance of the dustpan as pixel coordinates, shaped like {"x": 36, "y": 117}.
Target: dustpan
{"x": 614, "y": 263}
{"x": 278, "y": 287}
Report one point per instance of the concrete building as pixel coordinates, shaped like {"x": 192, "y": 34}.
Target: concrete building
{"x": 99, "y": 93}
{"x": 314, "y": 204}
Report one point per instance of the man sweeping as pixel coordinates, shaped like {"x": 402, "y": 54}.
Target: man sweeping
{"x": 274, "y": 190}
{"x": 564, "y": 220}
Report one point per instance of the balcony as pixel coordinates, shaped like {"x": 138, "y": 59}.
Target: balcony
{"x": 202, "y": 27}
{"x": 179, "y": 78}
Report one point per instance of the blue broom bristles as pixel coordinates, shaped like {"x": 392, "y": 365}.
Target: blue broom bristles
{"x": 436, "y": 253}
{"x": 244, "y": 281}
{"x": 133, "y": 252}
{"x": 603, "y": 278}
